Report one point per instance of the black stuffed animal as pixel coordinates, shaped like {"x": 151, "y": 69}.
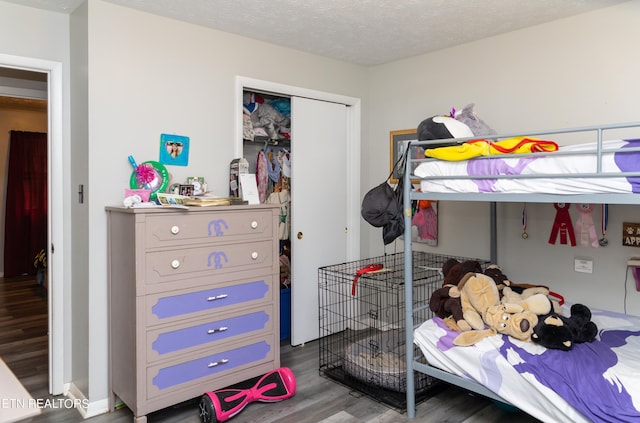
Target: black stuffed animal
{"x": 556, "y": 331}
{"x": 442, "y": 127}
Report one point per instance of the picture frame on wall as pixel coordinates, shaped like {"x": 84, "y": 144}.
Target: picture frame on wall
{"x": 424, "y": 217}
{"x": 396, "y": 140}
{"x": 174, "y": 150}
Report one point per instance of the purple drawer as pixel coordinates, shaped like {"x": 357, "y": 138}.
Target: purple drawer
{"x": 209, "y": 299}
{"x": 168, "y": 377}
{"x": 209, "y": 332}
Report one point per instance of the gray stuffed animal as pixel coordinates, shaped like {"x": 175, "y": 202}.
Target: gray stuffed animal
{"x": 473, "y": 121}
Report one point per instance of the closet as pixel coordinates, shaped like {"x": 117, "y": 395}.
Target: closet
{"x": 266, "y": 137}
{"x": 323, "y": 155}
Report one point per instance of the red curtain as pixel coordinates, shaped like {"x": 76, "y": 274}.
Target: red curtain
{"x": 25, "y": 231}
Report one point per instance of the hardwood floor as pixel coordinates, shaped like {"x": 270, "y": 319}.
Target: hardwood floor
{"x": 24, "y": 344}
{"x": 24, "y": 347}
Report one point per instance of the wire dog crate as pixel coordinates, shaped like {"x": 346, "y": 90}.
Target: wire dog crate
{"x": 362, "y": 323}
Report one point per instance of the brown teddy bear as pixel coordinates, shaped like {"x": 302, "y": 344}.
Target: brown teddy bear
{"x": 517, "y": 319}
{"x": 511, "y": 295}
{"x": 445, "y": 301}
{"x": 517, "y": 291}
{"x": 478, "y": 292}
{"x": 453, "y": 270}
{"x": 495, "y": 272}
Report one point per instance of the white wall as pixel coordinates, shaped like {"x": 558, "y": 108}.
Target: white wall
{"x": 150, "y": 75}
{"x": 81, "y": 294}
{"x": 572, "y": 72}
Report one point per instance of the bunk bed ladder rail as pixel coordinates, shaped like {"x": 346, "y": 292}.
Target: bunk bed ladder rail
{"x": 408, "y": 291}
{"x": 411, "y": 363}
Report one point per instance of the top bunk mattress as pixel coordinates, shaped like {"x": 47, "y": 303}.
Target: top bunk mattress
{"x": 571, "y": 170}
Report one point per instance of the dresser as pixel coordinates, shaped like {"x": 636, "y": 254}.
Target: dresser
{"x": 193, "y": 301}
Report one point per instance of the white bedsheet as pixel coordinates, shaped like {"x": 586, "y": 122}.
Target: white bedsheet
{"x": 550, "y": 164}
{"x": 598, "y": 381}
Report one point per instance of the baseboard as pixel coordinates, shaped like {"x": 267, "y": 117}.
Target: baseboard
{"x": 87, "y": 408}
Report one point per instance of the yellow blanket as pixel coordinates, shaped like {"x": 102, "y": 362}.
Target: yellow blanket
{"x": 476, "y": 148}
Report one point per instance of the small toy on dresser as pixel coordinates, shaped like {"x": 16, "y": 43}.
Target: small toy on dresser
{"x": 221, "y": 405}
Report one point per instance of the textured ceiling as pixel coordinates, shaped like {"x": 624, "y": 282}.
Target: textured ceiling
{"x": 365, "y": 32}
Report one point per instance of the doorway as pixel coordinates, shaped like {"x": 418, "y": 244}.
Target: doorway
{"x": 51, "y": 72}
{"x": 23, "y": 214}
{"x": 304, "y": 309}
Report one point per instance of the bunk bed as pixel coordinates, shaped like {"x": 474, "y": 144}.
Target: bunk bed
{"x": 600, "y": 178}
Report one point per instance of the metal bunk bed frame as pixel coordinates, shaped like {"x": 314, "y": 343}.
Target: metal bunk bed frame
{"x": 492, "y": 198}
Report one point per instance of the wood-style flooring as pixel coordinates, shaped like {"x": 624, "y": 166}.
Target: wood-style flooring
{"x": 24, "y": 347}
{"x": 24, "y": 343}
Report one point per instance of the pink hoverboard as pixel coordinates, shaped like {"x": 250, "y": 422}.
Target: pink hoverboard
{"x": 219, "y": 406}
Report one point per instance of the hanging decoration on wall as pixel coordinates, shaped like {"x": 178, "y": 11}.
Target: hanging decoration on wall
{"x": 604, "y": 222}
{"x": 174, "y": 150}
{"x": 525, "y": 235}
{"x": 630, "y": 234}
{"x": 562, "y": 225}
{"x": 585, "y": 229}
{"x": 150, "y": 175}
{"x": 424, "y": 223}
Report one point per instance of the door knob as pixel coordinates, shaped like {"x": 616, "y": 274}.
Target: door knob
{"x": 299, "y": 235}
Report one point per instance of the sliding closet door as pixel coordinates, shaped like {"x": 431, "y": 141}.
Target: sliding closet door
{"x": 318, "y": 208}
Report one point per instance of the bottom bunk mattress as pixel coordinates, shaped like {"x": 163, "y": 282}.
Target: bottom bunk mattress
{"x": 597, "y": 381}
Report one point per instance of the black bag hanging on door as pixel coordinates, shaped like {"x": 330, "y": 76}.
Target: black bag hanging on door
{"x": 382, "y": 206}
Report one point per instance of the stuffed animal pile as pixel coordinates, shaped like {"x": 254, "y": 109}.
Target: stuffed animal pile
{"x": 488, "y": 315}
{"x": 480, "y": 303}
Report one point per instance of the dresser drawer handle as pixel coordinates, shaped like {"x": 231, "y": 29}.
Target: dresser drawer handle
{"x": 175, "y": 229}
{"x": 254, "y": 224}
{"x": 216, "y": 363}
{"x": 175, "y": 264}
{"x": 254, "y": 255}
{"x": 220, "y": 329}
{"x": 217, "y": 297}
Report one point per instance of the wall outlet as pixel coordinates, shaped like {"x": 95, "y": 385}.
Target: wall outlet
{"x": 583, "y": 265}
